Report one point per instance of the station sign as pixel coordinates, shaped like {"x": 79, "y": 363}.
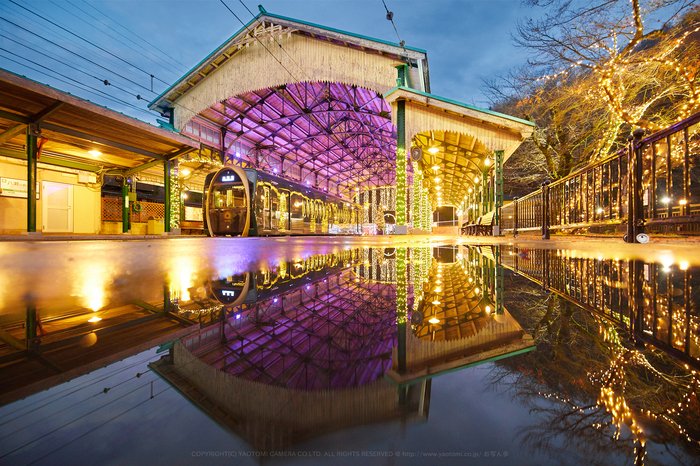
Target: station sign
{"x": 11, "y": 187}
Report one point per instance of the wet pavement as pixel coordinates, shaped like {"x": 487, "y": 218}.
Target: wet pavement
{"x": 385, "y": 350}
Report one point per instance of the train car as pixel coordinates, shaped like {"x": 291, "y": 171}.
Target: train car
{"x": 247, "y": 202}
{"x": 251, "y": 287}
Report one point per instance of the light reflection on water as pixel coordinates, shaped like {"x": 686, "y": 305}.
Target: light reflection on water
{"x": 325, "y": 328}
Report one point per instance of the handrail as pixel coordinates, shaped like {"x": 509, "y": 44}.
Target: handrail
{"x": 658, "y": 168}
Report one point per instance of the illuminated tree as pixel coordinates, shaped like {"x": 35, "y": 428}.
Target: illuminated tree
{"x": 567, "y": 134}
{"x": 642, "y": 54}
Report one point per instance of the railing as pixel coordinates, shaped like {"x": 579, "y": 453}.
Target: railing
{"x": 663, "y": 170}
{"x": 112, "y": 210}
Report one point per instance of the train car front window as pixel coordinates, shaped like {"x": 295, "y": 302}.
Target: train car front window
{"x": 228, "y": 196}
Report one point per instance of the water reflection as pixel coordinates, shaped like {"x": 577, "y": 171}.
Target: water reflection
{"x": 604, "y": 351}
{"x": 655, "y": 302}
{"x": 616, "y": 351}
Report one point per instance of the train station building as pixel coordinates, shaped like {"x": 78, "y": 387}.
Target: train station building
{"x": 332, "y": 111}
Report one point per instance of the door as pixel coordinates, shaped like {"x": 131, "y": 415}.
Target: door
{"x": 285, "y": 210}
{"x": 267, "y": 212}
{"x": 57, "y": 207}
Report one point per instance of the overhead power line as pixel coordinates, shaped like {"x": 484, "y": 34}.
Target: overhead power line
{"x": 132, "y": 32}
{"x": 89, "y": 42}
{"x": 102, "y": 424}
{"x": 260, "y": 42}
{"x": 104, "y": 81}
{"x": 390, "y": 17}
{"x": 101, "y": 30}
{"x": 76, "y": 54}
{"x": 280, "y": 45}
{"x": 65, "y": 424}
{"x": 71, "y": 389}
{"x": 51, "y": 37}
{"x": 105, "y": 95}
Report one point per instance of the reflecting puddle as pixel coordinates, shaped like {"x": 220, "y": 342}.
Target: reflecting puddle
{"x": 335, "y": 350}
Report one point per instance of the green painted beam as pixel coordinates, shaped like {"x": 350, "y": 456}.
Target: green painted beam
{"x": 459, "y": 368}
{"x": 14, "y": 117}
{"x": 36, "y": 118}
{"x": 183, "y": 151}
{"x": 15, "y": 154}
{"x": 142, "y": 167}
{"x": 47, "y": 112}
{"x": 15, "y": 343}
{"x": 166, "y": 182}
{"x": 147, "y": 306}
{"x": 12, "y": 132}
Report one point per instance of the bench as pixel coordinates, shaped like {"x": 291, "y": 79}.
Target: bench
{"x": 482, "y": 226}
{"x": 470, "y": 228}
{"x": 192, "y": 227}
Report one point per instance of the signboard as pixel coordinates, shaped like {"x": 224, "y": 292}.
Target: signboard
{"x": 11, "y": 187}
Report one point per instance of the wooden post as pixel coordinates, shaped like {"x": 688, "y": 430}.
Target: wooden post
{"x": 30, "y": 325}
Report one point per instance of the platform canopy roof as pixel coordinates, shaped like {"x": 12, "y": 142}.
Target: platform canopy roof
{"x": 304, "y": 100}
{"x": 71, "y": 127}
{"x": 458, "y": 141}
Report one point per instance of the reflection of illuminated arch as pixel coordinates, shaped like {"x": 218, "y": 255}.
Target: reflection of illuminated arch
{"x": 465, "y": 316}
{"x": 270, "y": 417}
{"x": 297, "y": 338}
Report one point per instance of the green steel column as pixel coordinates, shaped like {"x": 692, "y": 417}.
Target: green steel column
{"x": 485, "y": 191}
{"x": 125, "y": 205}
{"x": 30, "y": 325}
{"x": 417, "y": 197}
{"x": 401, "y": 307}
{"x": 498, "y": 191}
{"x": 166, "y": 182}
{"x": 401, "y": 79}
{"x": 401, "y": 162}
{"x": 499, "y": 277}
{"x": 166, "y": 299}
{"x": 31, "y": 180}
{"x": 491, "y": 191}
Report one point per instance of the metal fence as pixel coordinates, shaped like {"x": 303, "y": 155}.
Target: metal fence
{"x": 663, "y": 171}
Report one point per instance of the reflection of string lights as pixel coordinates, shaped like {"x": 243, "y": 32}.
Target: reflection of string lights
{"x": 604, "y": 285}
{"x": 200, "y": 311}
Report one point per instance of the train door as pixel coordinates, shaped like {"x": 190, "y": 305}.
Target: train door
{"x": 296, "y": 209}
{"x": 267, "y": 212}
{"x": 274, "y": 211}
{"x": 285, "y": 221}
